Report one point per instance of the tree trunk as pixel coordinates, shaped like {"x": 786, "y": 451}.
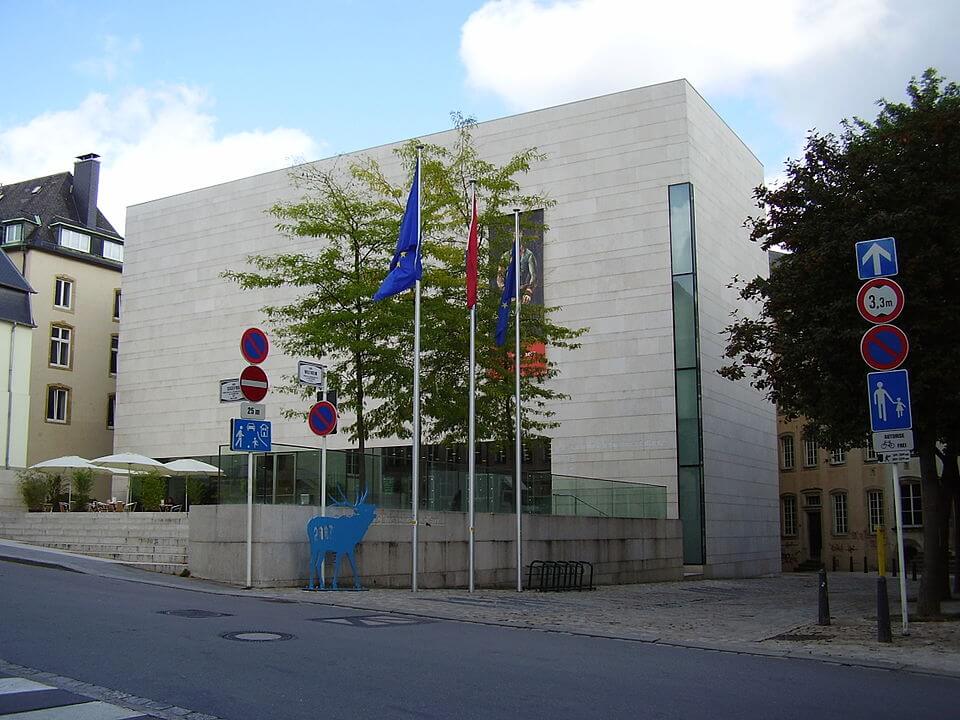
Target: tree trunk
{"x": 931, "y": 583}
{"x": 956, "y": 541}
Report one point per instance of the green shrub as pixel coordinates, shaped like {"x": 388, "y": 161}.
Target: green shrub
{"x": 153, "y": 488}
{"x": 53, "y": 485}
{"x": 32, "y": 485}
{"x": 196, "y": 490}
{"x": 82, "y": 485}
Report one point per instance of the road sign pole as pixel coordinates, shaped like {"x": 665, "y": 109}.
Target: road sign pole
{"x": 323, "y": 461}
{"x": 249, "y": 520}
{"x": 898, "y": 508}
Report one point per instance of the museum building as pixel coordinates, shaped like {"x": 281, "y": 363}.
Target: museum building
{"x": 651, "y": 189}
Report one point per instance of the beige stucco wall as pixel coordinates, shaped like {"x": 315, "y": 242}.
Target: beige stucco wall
{"x": 14, "y": 393}
{"x": 85, "y": 433}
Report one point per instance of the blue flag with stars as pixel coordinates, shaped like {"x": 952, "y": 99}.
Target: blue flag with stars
{"x": 406, "y": 267}
{"x": 509, "y": 292}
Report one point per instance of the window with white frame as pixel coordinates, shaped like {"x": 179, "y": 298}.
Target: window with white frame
{"x": 786, "y": 452}
{"x": 809, "y": 453}
{"x": 13, "y": 234}
{"x": 789, "y": 526}
{"x": 840, "y": 517}
{"x": 116, "y": 304}
{"x": 911, "y": 507}
{"x": 111, "y": 410}
{"x": 837, "y": 456}
{"x": 63, "y": 293}
{"x": 113, "y": 250}
{"x": 869, "y": 454}
{"x": 74, "y": 240}
{"x": 58, "y": 404}
{"x": 527, "y": 453}
{"x": 114, "y": 353}
{"x": 875, "y": 509}
{"x": 61, "y": 337}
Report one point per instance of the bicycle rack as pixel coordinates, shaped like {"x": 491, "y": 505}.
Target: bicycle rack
{"x": 559, "y": 575}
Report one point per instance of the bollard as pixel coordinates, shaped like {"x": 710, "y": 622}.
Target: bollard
{"x": 883, "y": 612}
{"x": 835, "y": 563}
{"x": 851, "y": 563}
{"x": 914, "y": 571}
{"x": 823, "y": 600}
{"x": 864, "y": 564}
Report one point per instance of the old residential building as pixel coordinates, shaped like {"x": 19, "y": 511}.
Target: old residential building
{"x": 72, "y": 257}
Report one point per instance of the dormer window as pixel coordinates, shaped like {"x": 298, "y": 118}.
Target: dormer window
{"x": 13, "y": 234}
{"x": 74, "y": 240}
{"x": 113, "y": 250}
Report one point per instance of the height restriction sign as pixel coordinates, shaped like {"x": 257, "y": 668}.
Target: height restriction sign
{"x": 880, "y": 300}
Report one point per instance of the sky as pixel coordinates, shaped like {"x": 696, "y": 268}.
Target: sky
{"x": 179, "y": 94}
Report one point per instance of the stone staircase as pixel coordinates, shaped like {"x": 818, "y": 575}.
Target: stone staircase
{"x": 152, "y": 541}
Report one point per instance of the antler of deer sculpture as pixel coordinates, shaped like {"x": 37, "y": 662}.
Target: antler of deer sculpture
{"x": 338, "y": 535}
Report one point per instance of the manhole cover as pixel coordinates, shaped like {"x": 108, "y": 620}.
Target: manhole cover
{"x": 256, "y": 636}
{"x": 194, "y": 613}
{"x": 375, "y": 621}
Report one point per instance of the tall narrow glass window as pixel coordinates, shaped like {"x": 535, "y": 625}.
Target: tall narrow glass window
{"x": 687, "y": 372}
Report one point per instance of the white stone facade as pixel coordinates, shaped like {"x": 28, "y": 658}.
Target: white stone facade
{"x": 606, "y": 263}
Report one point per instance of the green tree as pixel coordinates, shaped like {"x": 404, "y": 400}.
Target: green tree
{"x": 353, "y": 213}
{"x": 896, "y": 176}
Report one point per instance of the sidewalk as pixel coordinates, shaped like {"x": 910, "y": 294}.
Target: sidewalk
{"x": 774, "y": 616}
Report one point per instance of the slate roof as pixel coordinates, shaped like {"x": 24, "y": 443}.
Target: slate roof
{"x": 52, "y": 202}
{"x": 14, "y": 294}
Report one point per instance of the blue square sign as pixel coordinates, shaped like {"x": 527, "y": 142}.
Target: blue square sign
{"x": 876, "y": 258}
{"x": 888, "y": 394}
{"x": 250, "y": 435}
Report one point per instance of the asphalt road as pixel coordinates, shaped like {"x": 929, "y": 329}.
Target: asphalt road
{"x": 113, "y": 633}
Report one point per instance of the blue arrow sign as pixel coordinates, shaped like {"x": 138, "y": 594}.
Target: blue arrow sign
{"x": 250, "y": 435}
{"x": 888, "y": 394}
{"x": 876, "y": 258}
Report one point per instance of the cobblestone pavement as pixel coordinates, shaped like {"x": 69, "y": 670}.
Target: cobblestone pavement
{"x": 769, "y": 616}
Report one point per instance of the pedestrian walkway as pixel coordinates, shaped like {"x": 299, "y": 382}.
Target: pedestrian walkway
{"x": 22, "y": 699}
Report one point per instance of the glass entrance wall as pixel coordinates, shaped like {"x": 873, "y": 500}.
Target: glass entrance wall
{"x": 291, "y": 475}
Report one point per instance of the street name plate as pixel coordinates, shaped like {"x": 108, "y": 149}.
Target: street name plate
{"x": 310, "y": 373}
{"x": 253, "y": 411}
{"x": 230, "y": 390}
{"x": 893, "y": 441}
{"x": 895, "y": 457}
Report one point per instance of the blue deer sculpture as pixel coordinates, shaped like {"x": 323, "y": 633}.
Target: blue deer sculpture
{"x": 338, "y": 535}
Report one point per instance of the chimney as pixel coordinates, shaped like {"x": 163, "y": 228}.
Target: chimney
{"x": 86, "y": 181}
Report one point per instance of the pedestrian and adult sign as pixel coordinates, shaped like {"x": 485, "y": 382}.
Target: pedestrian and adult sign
{"x": 880, "y": 300}
{"x": 250, "y": 435}
{"x": 254, "y": 346}
{"x": 889, "y": 398}
{"x": 876, "y": 258}
{"x": 322, "y": 418}
{"x": 884, "y": 347}
{"x": 253, "y": 383}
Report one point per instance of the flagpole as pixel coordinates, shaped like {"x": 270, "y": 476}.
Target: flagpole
{"x": 516, "y": 398}
{"x": 471, "y": 433}
{"x": 415, "y": 472}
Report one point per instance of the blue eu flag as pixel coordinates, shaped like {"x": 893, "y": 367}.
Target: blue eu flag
{"x": 509, "y": 292}
{"x": 406, "y": 267}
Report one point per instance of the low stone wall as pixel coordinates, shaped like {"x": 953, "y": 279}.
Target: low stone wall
{"x": 9, "y": 494}
{"x": 621, "y": 550}
{"x": 150, "y": 540}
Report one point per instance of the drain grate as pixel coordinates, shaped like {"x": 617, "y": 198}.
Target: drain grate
{"x": 194, "y": 613}
{"x": 375, "y": 621}
{"x": 256, "y": 636}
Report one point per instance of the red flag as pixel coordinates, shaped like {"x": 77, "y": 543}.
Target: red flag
{"x": 472, "y": 257}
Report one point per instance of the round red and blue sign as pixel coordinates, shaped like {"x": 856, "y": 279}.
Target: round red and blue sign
{"x": 254, "y": 346}
{"x": 884, "y": 347}
{"x": 322, "y": 418}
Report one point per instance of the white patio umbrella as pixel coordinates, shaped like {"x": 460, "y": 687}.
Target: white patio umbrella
{"x": 67, "y": 462}
{"x": 187, "y": 467}
{"x": 131, "y": 462}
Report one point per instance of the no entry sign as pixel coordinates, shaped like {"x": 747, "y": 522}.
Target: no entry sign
{"x": 880, "y": 300}
{"x": 253, "y": 383}
{"x": 322, "y": 418}
{"x": 254, "y": 346}
{"x": 884, "y": 347}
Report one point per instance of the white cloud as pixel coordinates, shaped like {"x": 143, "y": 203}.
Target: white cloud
{"x": 153, "y": 143}
{"x": 115, "y": 59}
{"x": 811, "y": 61}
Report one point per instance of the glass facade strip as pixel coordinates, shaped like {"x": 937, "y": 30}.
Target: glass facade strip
{"x": 684, "y": 322}
{"x": 681, "y": 228}
{"x": 690, "y": 496}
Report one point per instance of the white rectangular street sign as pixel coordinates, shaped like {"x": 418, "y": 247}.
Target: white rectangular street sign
{"x": 230, "y": 390}
{"x": 893, "y": 441}
{"x": 253, "y": 411}
{"x": 895, "y": 457}
{"x": 310, "y": 373}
